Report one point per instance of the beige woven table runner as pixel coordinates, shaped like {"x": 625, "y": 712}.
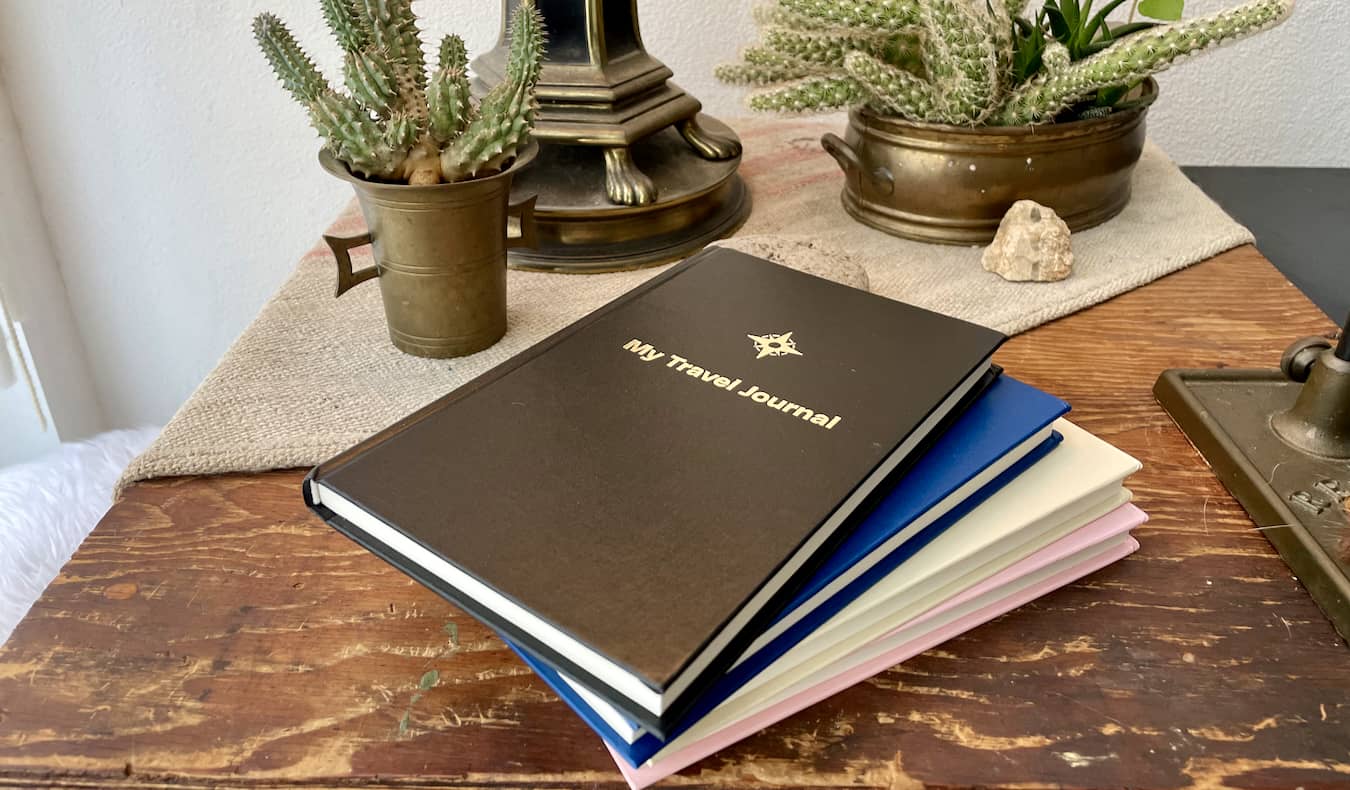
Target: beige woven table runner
{"x": 313, "y": 374}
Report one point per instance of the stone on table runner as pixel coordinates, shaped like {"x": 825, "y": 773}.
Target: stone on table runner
{"x": 1032, "y": 245}
{"x": 313, "y": 374}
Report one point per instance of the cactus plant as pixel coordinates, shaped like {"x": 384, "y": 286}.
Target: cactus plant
{"x": 969, "y": 62}
{"x": 395, "y": 123}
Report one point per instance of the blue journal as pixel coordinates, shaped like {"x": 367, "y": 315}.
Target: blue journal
{"x": 1000, "y": 435}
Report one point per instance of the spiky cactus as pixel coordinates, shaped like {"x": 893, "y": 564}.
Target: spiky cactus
{"x": 952, "y": 61}
{"x": 393, "y": 122}
{"x": 1133, "y": 58}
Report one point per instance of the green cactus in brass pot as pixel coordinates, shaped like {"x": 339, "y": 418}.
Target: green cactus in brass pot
{"x": 971, "y": 62}
{"x": 394, "y": 123}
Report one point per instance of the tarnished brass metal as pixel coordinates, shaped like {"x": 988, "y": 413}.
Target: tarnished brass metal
{"x": 1319, "y": 421}
{"x": 598, "y": 85}
{"x": 342, "y": 247}
{"x": 631, "y": 173}
{"x": 440, "y": 256}
{"x": 581, "y": 231}
{"x": 1279, "y": 447}
{"x": 953, "y": 184}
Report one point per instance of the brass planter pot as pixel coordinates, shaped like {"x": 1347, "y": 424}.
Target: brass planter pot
{"x": 440, "y": 256}
{"x": 953, "y": 184}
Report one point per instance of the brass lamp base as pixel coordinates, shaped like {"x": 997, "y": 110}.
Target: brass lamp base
{"x": 631, "y": 174}
{"x": 1296, "y": 497}
{"x": 581, "y": 230}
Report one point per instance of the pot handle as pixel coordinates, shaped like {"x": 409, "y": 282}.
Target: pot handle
{"x": 342, "y": 247}
{"x": 851, "y": 163}
{"x": 842, "y": 152}
{"x": 526, "y": 232}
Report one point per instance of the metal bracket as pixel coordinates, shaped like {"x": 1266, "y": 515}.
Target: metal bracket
{"x": 526, "y": 230}
{"x": 1296, "y": 498}
{"x": 342, "y": 247}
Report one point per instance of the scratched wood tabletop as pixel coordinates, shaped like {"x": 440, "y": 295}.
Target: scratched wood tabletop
{"x": 211, "y": 631}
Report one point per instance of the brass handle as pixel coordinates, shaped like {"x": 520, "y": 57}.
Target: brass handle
{"x": 342, "y": 247}
{"x": 850, "y": 163}
{"x": 842, "y": 152}
{"x": 1299, "y": 358}
{"x": 526, "y": 234}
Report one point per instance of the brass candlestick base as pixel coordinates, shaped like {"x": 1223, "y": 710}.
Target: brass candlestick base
{"x": 580, "y": 230}
{"x": 1280, "y": 442}
{"x": 630, "y": 173}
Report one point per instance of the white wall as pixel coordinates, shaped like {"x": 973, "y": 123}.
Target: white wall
{"x": 61, "y": 406}
{"x": 178, "y": 179}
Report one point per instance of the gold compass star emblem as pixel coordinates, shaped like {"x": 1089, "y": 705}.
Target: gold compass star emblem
{"x": 775, "y": 345}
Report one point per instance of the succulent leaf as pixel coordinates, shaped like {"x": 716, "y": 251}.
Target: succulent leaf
{"x": 343, "y": 22}
{"x": 395, "y": 123}
{"x": 371, "y": 80}
{"x": 353, "y": 136}
{"x": 1055, "y": 58}
{"x": 394, "y": 35}
{"x": 453, "y": 54}
{"x": 770, "y": 14}
{"x": 496, "y": 128}
{"x": 506, "y": 114}
{"x": 812, "y": 94}
{"x": 527, "y": 40}
{"x": 748, "y": 73}
{"x": 822, "y": 46}
{"x": 886, "y": 16}
{"x": 893, "y": 90}
{"x": 962, "y": 57}
{"x": 402, "y": 131}
{"x": 1134, "y": 58}
{"x": 292, "y": 66}
{"x": 967, "y": 62}
{"x": 449, "y": 107}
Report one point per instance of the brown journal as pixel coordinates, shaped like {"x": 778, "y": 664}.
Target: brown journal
{"x": 630, "y": 498}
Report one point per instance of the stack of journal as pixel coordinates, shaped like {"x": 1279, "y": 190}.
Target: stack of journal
{"x": 731, "y": 493}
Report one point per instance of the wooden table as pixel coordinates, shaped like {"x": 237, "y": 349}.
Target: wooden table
{"x": 212, "y": 631}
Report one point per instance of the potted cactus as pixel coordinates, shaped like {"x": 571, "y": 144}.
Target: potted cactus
{"x": 431, "y": 166}
{"x": 959, "y": 108}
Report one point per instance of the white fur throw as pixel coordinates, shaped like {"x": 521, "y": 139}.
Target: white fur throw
{"x": 48, "y": 506}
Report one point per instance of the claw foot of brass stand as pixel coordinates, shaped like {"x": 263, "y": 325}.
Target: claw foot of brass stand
{"x": 625, "y": 184}
{"x": 630, "y": 174}
{"x": 706, "y": 144}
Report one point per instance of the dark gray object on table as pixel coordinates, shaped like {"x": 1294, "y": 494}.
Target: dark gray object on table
{"x": 1301, "y": 219}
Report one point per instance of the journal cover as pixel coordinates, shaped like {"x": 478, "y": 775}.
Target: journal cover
{"x": 1002, "y": 433}
{"x": 1076, "y": 483}
{"x": 629, "y": 495}
{"x": 1008, "y": 429}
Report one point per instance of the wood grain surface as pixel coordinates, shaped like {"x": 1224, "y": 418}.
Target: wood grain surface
{"x": 210, "y": 631}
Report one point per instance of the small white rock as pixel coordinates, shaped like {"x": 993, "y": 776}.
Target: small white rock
{"x": 1032, "y": 243}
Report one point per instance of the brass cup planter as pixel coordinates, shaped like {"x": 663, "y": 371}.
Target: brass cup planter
{"x": 440, "y": 256}
{"x": 953, "y": 184}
